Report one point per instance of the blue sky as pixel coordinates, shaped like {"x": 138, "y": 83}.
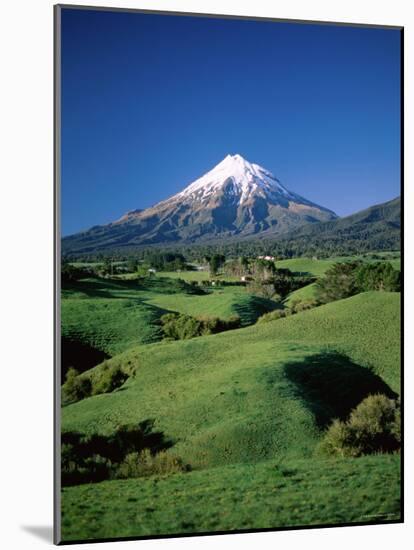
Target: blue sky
{"x": 151, "y": 102}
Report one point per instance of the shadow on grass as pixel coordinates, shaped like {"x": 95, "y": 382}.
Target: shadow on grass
{"x": 251, "y": 310}
{"x": 89, "y": 458}
{"x": 79, "y": 355}
{"x": 98, "y": 287}
{"x": 331, "y": 385}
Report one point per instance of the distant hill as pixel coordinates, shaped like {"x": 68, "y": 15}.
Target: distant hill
{"x": 376, "y": 228}
{"x": 375, "y": 218}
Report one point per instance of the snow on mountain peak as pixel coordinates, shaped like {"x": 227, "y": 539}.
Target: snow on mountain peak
{"x": 240, "y": 177}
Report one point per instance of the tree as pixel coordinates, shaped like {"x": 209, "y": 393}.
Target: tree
{"x": 133, "y": 265}
{"x": 378, "y": 276}
{"x": 339, "y": 282}
{"x": 167, "y": 261}
{"x": 244, "y": 262}
{"x": 216, "y": 261}
{"x": 107, "y": 267}
{"x": 262, "y": 269}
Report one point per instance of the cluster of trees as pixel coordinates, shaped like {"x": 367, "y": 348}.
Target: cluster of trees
{"x": 160, "y": 261}
{"x": 343, "y": 280}
{"x": 341, "y": 245}
{"x": 70, "y": 273}
{"x": 279, "y": 285}
{"x": 264, "y": 278}
{"x": 167, "y": 261}
{"x": 179, "y": 326}
{"x": 108, "y": 267}
{"x": 132, "y": 451}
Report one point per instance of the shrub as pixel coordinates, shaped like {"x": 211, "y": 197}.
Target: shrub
{"x": 110, "y": 378}
{"x": 75, "y": 387}
{"x": 272, "y": 316}
{"x": 297, "y": 306}
{"x": 213, "y": 325}
{"x": 131, "y": 451}
{"x": 179, "y": 326}
{"x": 374, "y": 426}
{"x": 145, "y": 463}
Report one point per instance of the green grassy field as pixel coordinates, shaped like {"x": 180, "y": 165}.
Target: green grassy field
{"x": 245, "y": 408}
{"x": 249, "y": 496}
{"x": 306, "y": 265}
{"x": 186, "y": 275}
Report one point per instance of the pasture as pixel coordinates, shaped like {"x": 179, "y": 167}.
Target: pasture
{"x": 246, "y": 409}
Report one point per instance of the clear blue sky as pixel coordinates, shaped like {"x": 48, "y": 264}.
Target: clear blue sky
{"x": 151, "y": 102}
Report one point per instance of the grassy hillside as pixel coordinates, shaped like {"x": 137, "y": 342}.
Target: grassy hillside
{"x": 111, "y": 325}
{"x": 222, "y": 302}
{"x": 101, "y": 317}
{"x": 248, "y": 496}
{"x": 246, "y": 409}
{"x": 231, "y": 393}
{"x": 302, "y": 294}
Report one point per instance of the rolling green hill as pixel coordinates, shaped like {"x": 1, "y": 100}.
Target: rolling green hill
{"x": 239, "y": 405}
{"x": 223, "y": 302}
{"x": 104, "y": 317}
{"x": 103, "y": 327}
{"x": 302, "y": 294}
{"x": 231, "y": 393}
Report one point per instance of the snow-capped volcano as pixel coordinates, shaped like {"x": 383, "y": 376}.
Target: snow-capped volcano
{"x": 242, "y": 178}
{"x": 236, "y": 197}
{"x": 240, "y": 181}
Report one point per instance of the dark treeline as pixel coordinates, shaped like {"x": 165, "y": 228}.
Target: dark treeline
{"x": 281, "y": 249}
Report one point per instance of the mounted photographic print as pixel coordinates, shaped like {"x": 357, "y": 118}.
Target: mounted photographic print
{"x": 228, "y": 274}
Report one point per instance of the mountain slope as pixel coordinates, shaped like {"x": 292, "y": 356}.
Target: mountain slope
{"x": 380, "y": 225}
{"x": 235, "y": 198}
